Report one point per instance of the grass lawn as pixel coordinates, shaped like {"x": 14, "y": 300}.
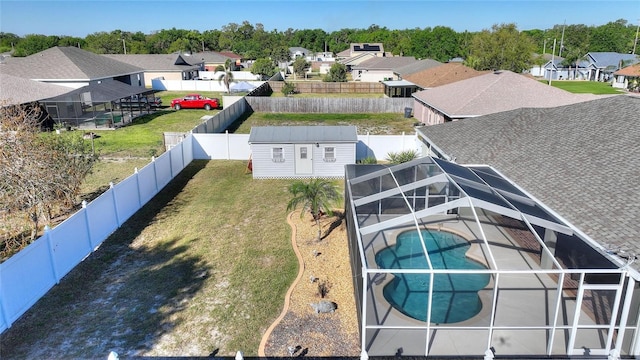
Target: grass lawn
{"x": 143, "y": 138}
{"x": 585, "y": 87}
{"x": 202, "y": 266}
{"x": 375, "y": 124}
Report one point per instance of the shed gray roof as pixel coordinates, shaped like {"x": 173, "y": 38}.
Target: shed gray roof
{"x": 158, "y": 62}
{"x": 302, "y": 134}
{"x": 16, "y": 90}
{"x": 582, "y": 160}
{"x": 495, "y": 92}
{"x": 67, "y": 63}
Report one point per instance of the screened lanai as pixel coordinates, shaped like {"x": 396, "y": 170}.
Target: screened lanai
{"x": 459, "y": 260}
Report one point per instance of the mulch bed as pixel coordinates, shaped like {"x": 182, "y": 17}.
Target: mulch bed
{"x": 327, "y": 261}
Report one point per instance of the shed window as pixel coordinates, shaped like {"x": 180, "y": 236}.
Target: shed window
{"x": 277, "y": 154}
{"x": 329, "y": 154}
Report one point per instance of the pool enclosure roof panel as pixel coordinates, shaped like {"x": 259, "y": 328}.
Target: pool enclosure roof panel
{"x": 482, "y": 186}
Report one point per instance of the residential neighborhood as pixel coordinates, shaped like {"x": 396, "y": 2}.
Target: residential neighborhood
{"x": 355, "y": 202}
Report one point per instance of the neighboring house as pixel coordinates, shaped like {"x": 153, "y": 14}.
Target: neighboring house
{"x": 627, "y": 78}
{"x": 210, "y": 60}
{"x": 380, "y": 68}
{"x": 95, "y": 82}
{"x": 18, "y": 90}
{"x": 415, "y": 67}
{"x": 302, "y": 151}
{"x": 580, "y": 159}
{"x": 600, "y": 66}
{"x": 486, "y": 94}
{"x": 166, "y": 66}
{"x": 553, "y": 67}
{"x": 355, "y": 49}
{"x": 296, "y": 52}
{"x": 434, "y": 75}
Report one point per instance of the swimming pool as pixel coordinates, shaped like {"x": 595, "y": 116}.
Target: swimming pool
{"x": 455, "y": 296}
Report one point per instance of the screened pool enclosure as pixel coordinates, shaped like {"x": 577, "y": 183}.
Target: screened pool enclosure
{"x": 459, "y": 260}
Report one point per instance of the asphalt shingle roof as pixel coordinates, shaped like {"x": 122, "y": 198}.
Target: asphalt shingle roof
{"x": 67, "y": 63}
{"x": 417, "y": 66}
{"x": 158, "y": 62}
{"x": 385, "y": 63}
{"x": 494, "y": 92}
{"x": 16, "y": 90}
{"x": 581, "y": 160}
{"x": 442, "y": 74}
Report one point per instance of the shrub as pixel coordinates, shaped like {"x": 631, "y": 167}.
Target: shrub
{"x": 402, "y": 156}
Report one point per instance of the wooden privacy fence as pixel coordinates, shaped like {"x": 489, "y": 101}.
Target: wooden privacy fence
{"x": 317, "y": 87}
{"x": 329, "y": 105}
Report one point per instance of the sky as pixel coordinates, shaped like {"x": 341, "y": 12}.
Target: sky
{"x": 82, "y": 17}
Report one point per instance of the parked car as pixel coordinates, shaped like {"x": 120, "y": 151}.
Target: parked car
{"x": 139, "y": 102}
{"x": 195, "y": 101}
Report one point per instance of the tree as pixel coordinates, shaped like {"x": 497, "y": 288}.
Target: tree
{"x": 227, "y": 75}
{"x": 316, "y": 196}
{"x": 300, "y": 65}
{"x": 264, "y": 67}
{"x": 288, "y": 89}
{"x": 502, "y": 48}
{"x": 39, "y": 171}
{"x": 337, "y": 73}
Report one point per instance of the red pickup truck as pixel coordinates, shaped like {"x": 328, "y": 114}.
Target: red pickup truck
{"x": 195, "y": 101}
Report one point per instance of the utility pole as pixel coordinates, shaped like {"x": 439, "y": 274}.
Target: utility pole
{"x": 635, "y": 42}
{"x": 553, "y": 58}
{"x": 124, "y": 46}
{"x": 562, "y": 39}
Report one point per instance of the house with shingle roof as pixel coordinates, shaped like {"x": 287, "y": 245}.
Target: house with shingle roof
{"x": 415, "y": 67}
{"x": 486, "y": 94}
{"x": 582, "y": 160}
{"x": 166, "y": 66}
{"x": 627, "y": 78}
{"x": 355, "y": 49}
{"x": 94, "y": 82}
{"x": 600, "y": 66}
{"x": 17, "y": 90}
{"x": 439, "y": 74}
{"x": 378, "y": 69}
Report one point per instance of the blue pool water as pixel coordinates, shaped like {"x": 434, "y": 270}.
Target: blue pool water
{"x": 455, "y": 296}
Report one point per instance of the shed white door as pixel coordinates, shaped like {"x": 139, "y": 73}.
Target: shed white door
{"x": 304, "y": 160}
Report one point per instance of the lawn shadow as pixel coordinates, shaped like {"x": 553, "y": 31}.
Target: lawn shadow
{"x": 122, "y": 297}
{"x": 233, "y": 127}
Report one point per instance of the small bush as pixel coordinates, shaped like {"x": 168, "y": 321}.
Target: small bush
{"x": 402, "y": 156}
{"x": 368, "y": 160}
{"x": 288, "y": 89}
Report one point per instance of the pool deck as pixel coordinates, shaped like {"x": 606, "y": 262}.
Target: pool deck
{"x": 524, "y": 300}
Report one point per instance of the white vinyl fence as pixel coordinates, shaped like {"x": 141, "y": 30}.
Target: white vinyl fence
{"x": 236, "y": 146}
{"x": 29, "y": 274}
{"x": 193, "y": 85}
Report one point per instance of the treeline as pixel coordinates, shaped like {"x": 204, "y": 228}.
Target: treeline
{"x": 253, "y": 41}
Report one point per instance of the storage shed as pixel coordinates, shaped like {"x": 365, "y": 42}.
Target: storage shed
{"x": 302, "y": 151}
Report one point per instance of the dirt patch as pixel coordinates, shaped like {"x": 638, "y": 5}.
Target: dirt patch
{"x": 326, "y": 268}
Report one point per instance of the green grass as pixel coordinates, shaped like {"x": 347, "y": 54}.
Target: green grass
{"x": 202, "y": 266}
{"x": 584, "y": 87}
{"x": 143, "y": 138}
{"x": 375, "y": 124}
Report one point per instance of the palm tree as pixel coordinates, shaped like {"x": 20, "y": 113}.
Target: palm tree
{"x": 317, "y": 195}
{"x": 227, "y": 76}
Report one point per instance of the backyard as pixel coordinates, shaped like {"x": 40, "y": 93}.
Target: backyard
{"x": 202, "y": 268}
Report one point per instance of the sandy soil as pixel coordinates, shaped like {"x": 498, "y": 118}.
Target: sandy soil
{"x": 325, "y": 262}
